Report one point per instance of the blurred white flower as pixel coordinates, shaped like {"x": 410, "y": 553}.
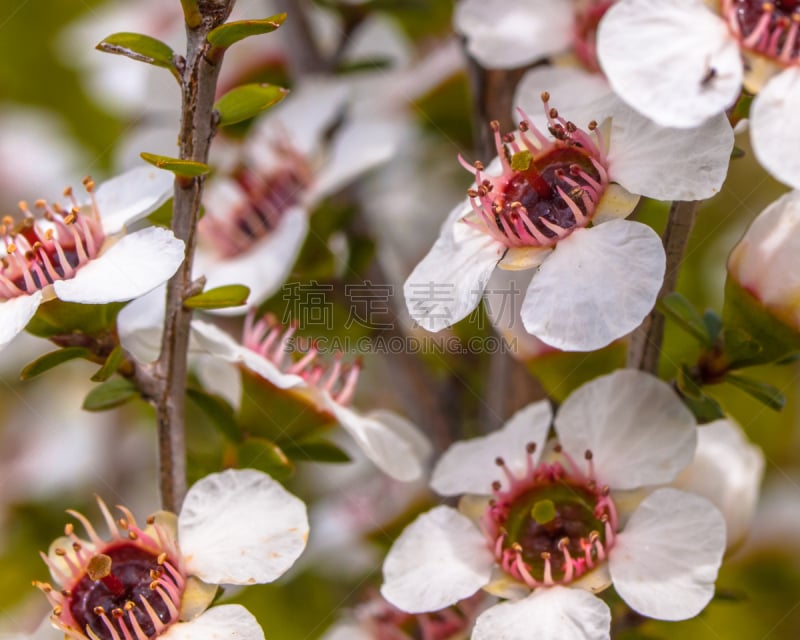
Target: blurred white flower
{"x": 79, "y": 251}
{"x": 503, "y": 34}
{"x": 237, "y": 527}
{"x": 680, "y": 62}
{"x": 556, "y": 206}
{"x": 391, "y": 442}
{"x": 764, "y": 263}
{"x": 554, "y": 530}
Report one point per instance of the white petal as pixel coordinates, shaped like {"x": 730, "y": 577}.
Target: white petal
{"x": 665, "y": 562}
{"x": 225, "y": 622}
{"x": 264, "y": 267}
{"x": 131, "y": 196}
{"x": 469, "y": 466}
{"x": 15, "y": 314}
{"x": 636, "y": 427}
{"x": 132, "y": 266}
{"x": 448, "y": 283}
{"x": 358, "y": 147}
{"x": 439, "y": 559}
{"x": 140, "y": 325}
{"x": 669, "y": 164}
{"x": 241, "y": 527}
{"x": 727, "y": 470}
{"x": 597, "y": 286}
{"x": 670, "y": 83}
{"x": 775, "y": 127}
{"x": 407, "y": 430}
{"x": 213, "y": 341}
{"x": 391, "y": 451}
{"x": 302, "y": 118}
{"x": 221, "y": 378}
{"x": 578, "y": 95}
{"x": 557, "y": 613}
{"x": 347, "y": 631}
{"x": 502, "y": 34}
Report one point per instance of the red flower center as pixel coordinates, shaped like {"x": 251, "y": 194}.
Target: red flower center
{"x": 771, "y": 29}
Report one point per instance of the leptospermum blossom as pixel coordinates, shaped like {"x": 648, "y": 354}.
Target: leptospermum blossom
{"x": 764, "y": 262}
{"x": 503, "y": 34}
{"x": 257, "y": 218}
{"x": 555, "y": 202}
{"x": 238, "y": 527}
{"x": 548, "y": 530}
{"x": 680, "y": 62}
{"x": 391, "y": 442}
{"x": 79, "y": 252}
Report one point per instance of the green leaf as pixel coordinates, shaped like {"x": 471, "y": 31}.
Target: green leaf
{"x": 110, "y": 366}
{"x": 679, "y": 309}
{"x": 316, "y": 451}
{"x": 247, "y": 101}
{"x": 110, "y": 394}
{"x": 183, "y": 168}
{"x": 57, "y": 317}
{"x": 704, "y": 407}
{"x": 713, "y": 324}
{"x": 266, "y": 456}
{"x": 230, "y": 33}
{"x": 52, "y": 359}
{"x": 231, "y": 295}
{"x": 218, "y": 411}
{"x": 141, "y": 48}
{"x": 765, "y": 393}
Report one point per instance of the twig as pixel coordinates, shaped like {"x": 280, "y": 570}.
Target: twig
{"x": 645, "y": 347}
{"x": 198, "y": 124}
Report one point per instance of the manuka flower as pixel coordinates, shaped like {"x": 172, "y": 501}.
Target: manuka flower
{"x": 553, "y": 202}
{"x": 680, "y": 62}
{"x": 79, "y": 252}
{"x": 237, "y": 527}
{"x": 391, "y": 442}
{"x": 552, "y": 521}
{"x": 503, "y": 34}
{"x": 257, "y": 217}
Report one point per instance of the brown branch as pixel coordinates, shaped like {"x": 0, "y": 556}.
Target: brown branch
{"x": 198, "y": 125}
{"x": 645, "y": 346}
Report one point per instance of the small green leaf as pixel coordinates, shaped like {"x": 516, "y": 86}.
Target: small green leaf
{"x": 316, "y": 451}
{"x": 521, "y": 161}
{"x": 110, "y": 394}
{"x": 765, "y": 393}
{"x": 231, "y": 32}
{"x": 231, "y": 295}
{"x": 247, "y": 101}
{"x": 141, "y": 48}
{"x": 704, "y": 407}
{"x": 266, "y": 456}
{"x": 675, "y": 306}
{"x": 110, "y": 366}
{"x": 713, "y": 324}
{"x": 52, "y": 359}
{"x": 218, "y": 411}
{"x": 183, "y": 168}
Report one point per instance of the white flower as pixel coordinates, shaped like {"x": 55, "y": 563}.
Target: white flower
{"x": 764, "y": 263}
{"x": 680, "y": 62}
{"x": 556, "y": 206}
{"x": 238, "y": 527}
{"x": 556, "y": 529}
{"x": 79, "y": 252}
{"x": 391, "y": 442}
{"x": 727, "y": 470}
{"x": 503, "y": 34}
{"x": 257, "y": 219}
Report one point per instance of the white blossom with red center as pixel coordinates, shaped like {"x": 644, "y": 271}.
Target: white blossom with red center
{"x": 391, "y": 442}
{"x": 79, "y": 251}
{"x": 157, "y": 580}
{"x": 546, "y": 533}
{"x": 554, "y": 202}
{"x": 680, "y": 62}
{"x": 257, "y": 218}
{"x": 503, "y": 34}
